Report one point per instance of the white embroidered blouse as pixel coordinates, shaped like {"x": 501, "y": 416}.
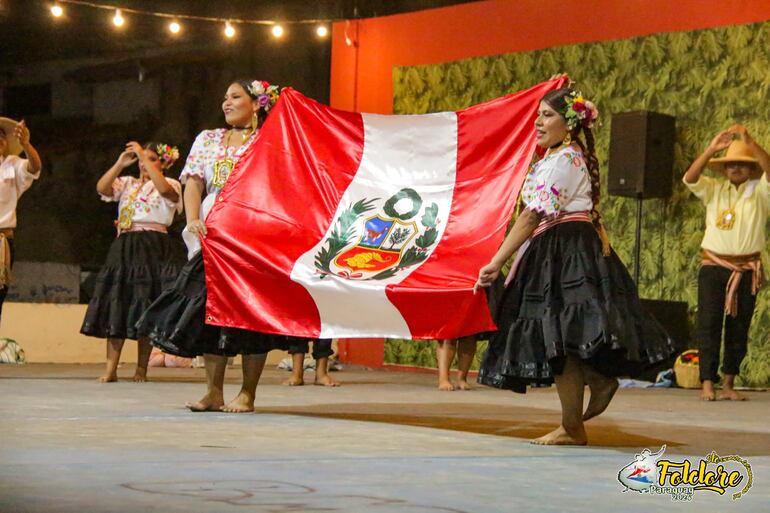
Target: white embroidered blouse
{"x": 560, "y": 182}
{"x": 208, "y": 149}
{"x": 149, "y": 205}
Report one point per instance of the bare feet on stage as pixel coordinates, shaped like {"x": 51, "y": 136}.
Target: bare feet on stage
{"x": 107, "y": 378}
{"x": 326, "y": 381}
{"x": 728, "y": 392}
{"x": 294, "y": 381}
{"x": 445, "y": 385}
{"x": 602, "y": 390}
{"x": 140, "y": 376}
{"x": 707, "y": 391}
{"x": 463, "y": 384}
{"x": 243, "y": 403}
{"x": 209, "y": 402}
{"x": 560, "y": 436}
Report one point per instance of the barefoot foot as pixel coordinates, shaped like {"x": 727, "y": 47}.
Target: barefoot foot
{"x": 140, "y": 376}
{"x": 730, "y": 394}
{"x": 445, "y": 386}
{"x": 707, "y": 392}
{"x": 294, "y": 381}
{"x": 326, "y": 381}
{"x": 601, "y": 395}
{"x": 243, "y": 403}
{"x": 107, "y": 378}
{"x": 463, "y": 385}
{"x": 209, "y": 402}
{"x": 559, "y": 436}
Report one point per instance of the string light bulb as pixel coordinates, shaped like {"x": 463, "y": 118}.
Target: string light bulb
{"x": 57, "y": 10}
{"x": 174, "y": 27}
{"x": 322, "y": 31}
{"x": 118, "y": 19}
{"x": 229, "y": 30}
{"x": 277, "y": 31}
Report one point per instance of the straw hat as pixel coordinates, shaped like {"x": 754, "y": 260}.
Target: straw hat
{"x": 738, "y": 151}
{"x": 8, "y": 126}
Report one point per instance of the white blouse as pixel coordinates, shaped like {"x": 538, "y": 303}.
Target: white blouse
{"x": 15, "y": 178}
{"x": 149, "y": 205}
{"x": 559, "y": 182}
{"x": 208, "y": 149}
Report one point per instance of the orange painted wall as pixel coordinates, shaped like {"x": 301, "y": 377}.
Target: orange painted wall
{"x": 361, "y": 76}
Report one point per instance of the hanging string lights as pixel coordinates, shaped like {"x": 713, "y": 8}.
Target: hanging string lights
{"x": 174, "y": 25}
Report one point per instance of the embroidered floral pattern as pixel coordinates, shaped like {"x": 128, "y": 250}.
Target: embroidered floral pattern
{"x": 558, "y": 180}
{"x": 148, "y": 204}
{"x": 208, "y": 148}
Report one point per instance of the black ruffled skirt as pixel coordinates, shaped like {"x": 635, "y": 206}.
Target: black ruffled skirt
{"x": 569, "y": 299}
{"x": 175, "y": 322}
{"x": 139, "y": 266}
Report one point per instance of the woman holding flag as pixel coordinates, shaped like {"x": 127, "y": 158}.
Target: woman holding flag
{"x": 571, "y": 313}
{"x": 176, "y": 321}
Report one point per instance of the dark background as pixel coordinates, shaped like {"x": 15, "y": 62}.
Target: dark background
{"x": 85, "y": 88}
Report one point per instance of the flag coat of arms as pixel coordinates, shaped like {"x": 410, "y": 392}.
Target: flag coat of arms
{"x": 341, "y": 224}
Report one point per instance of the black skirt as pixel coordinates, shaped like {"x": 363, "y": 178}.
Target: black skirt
{"x": 175, "y": 322}
{"x": 569, "y": 299}
{"x": 139, "y": 266}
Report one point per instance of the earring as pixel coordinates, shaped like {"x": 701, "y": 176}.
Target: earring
{"x": 567, "y": 140}
{"x": 254, "y": 121}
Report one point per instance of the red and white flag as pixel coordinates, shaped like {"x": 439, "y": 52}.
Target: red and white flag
{"x": 340, "y": 224}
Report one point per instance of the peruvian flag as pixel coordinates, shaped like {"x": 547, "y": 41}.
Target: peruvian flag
{"x": 341, "y": 224}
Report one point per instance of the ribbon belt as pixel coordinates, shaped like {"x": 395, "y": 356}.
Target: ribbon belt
{"x": 737, "y": 264}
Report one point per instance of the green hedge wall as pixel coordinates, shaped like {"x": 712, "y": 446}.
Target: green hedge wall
{"x": 708, "y": 79}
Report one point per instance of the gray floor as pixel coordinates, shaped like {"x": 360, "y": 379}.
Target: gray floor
{"x": 70, "y": 445}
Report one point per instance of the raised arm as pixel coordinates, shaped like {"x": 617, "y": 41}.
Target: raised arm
{"x": 152, "y": 168}
{"x": 22, "y": 134}
{"x": 758, "y": 151}
{"x": 104, "y": 185}
{"x": 523, "y": 227}
{"x": 721, "y": 141}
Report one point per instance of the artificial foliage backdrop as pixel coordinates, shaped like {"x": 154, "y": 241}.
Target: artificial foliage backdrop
{"x": 708, "y": 79}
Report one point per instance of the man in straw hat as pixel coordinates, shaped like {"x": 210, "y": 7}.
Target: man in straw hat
{"x": 731, "y": 271}
{"x": 16, "y": 175}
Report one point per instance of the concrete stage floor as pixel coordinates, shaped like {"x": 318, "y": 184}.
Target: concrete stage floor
{"x": 383, "y": 442}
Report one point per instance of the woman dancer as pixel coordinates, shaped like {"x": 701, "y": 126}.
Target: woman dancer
{"x": 571, "y": 313}
{"x": 175, "y": 322}
{"x": 143, "y": 259}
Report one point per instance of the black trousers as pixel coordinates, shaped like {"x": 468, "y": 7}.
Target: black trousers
{"x": 322, "y": 347}
{"x": 712, "y": 281}
{"x": 4, "y": 289}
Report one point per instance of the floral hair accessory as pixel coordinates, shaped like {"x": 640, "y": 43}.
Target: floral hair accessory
{"x": 579, "y": 111}
{"x": 167, "y": 155}
{"x": 266, "y": 94}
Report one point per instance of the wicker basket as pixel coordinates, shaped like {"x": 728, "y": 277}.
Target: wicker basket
{"x": 687, "y": 369}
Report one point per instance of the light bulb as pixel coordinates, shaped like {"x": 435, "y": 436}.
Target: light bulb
{"x": 57, "y": 10}
{"x": 174, "y": 27}
{"x": 118, "y": 20}
{"x": 229, "y": 30}
{"x": 277, "y": 31}
{"x": 322, "y": 31}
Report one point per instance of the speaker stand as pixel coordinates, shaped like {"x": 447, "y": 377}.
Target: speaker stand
{"x": 638, "y": 244}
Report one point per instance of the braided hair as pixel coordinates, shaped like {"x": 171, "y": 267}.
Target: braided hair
{"x": 558, "y": 100}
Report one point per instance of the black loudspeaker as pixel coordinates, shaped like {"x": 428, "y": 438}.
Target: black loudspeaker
{"x": 672, "y": 315}
{"x": 641, "y": 154}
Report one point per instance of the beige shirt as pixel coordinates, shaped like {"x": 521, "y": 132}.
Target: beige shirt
{"x": 751, "y": 203}
{"x": 15, "y": 178}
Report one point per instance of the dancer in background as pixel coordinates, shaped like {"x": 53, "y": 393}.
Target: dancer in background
{"x": 322, "y": 351}
{"x": 176, "y": 321}
{"x": 465, "y": 349}
{"x": 16, "y": 176}
{"x": 571, "y": 313}
{"x": 731, "y": 272}
{"x": 143, "y": 259}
